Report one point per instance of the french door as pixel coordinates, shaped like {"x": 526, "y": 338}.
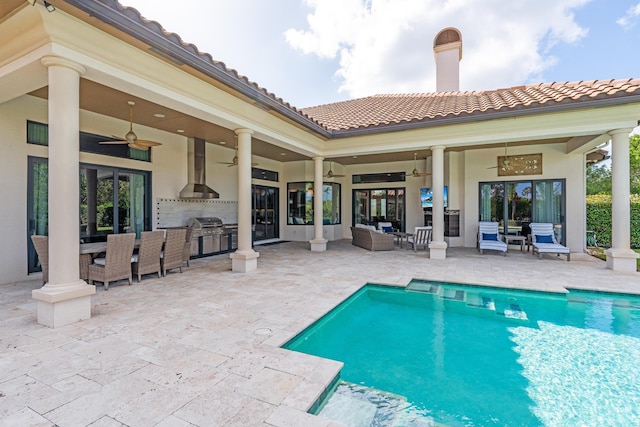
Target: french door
{"x": 516, "y": 204}
{"x": 264, "y": 212}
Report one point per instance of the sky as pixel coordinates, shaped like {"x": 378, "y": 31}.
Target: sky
{"x": 313, "y": 52}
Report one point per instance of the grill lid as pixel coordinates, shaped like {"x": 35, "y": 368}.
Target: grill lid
{"x": 205, "y": 222}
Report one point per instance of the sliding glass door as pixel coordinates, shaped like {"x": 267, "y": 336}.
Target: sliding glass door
{"x": 516, "y": 204}
{"x": 112, "y": 200}
{"x": 375, "y": 205}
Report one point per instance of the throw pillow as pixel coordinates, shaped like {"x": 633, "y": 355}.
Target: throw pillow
{"x": 486, "y": 236}
{"x": 544, "y": 239}
{"x": 387, "y": 229}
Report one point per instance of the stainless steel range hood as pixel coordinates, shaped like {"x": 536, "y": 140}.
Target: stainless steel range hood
{"x": 196, "y": 187}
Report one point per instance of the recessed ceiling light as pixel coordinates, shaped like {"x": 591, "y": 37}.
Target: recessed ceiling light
{"x": 355, "y": 157}
{"x": 159, "y": 115}
{"x": 223, "y": 142}
{"x": 180, "y": 131}
{"x": 283, "y": 154}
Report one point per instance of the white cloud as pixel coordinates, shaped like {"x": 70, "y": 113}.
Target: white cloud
{"x": 386, "y": 46}
{"x": 630, "y": 18}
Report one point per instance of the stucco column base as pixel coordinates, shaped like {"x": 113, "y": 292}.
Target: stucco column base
{"x": 61, "y": 305}
{"x": 243, "y": 262}
{"x": 622, "y": 260}
{"x": 438, "y": 250}
{"x": 318, "y": 245}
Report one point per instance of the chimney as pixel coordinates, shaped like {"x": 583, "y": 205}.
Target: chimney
{"x": 447, "y": 49}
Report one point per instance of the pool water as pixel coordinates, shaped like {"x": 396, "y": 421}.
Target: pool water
{"x": 455, "y": 355}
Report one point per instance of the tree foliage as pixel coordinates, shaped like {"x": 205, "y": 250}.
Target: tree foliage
{"x": 634, "y": 160}
{"x": 599, "y": 177}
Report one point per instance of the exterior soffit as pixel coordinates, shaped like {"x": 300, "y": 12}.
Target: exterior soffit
{"x": 123, "y": 66}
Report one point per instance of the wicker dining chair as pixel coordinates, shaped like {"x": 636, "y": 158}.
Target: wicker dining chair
{"x": 41, "y": 243}
{"x": 186, "y": 252}
{"x": 171, "y": 256}
{"x": 147, "y": 260}
{"x": 116, "y": 265}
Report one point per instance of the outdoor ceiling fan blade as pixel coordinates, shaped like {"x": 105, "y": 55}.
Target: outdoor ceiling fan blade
{"x": 122, "y": 141}
{"x": 144, "y": 143}
{"x": 117, "y": 140}
{"x": 138, "y": 147}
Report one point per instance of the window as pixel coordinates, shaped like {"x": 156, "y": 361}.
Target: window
{"x": 371, "y": 206}
{"x": 300, "y": 203}
{"x": 38, "y": 133}
{"x": 370, "y": 178}
{"x": 264, "y": 174}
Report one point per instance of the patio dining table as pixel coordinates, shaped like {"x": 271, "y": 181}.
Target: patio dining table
{"x": 97, "y": 247}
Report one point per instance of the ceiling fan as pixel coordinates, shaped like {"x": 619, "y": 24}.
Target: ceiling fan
{"x": 414, "y": 173}
{"x": 505, "y": 162}
{"x": 330, "y": 173}
{"x": 234, "y": 161}
{"x": 131, "y": 138}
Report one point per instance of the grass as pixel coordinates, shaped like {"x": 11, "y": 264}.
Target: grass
{"x": 599, "y": 253}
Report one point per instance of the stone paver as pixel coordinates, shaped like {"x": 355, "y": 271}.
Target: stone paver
{"x": 202, "y": 347}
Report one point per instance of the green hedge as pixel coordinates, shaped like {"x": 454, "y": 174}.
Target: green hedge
{"x": 599, "y": 218}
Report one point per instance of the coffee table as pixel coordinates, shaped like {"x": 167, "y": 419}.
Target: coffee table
{"x": 401, "y": 236}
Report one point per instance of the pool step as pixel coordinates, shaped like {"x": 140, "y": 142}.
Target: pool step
{"x": 355, "y": 405}
{"x": 486, "y": 305}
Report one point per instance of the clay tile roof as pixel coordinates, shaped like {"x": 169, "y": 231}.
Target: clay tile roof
{"x": 381, "y": 110}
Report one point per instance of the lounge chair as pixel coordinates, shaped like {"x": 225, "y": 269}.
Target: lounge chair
{"x": 543, "y": 240}
{"x": 147, "y": 260}
{"x": 171, "y": 256}
{"x": 421, "y": 237}
{"x": 116, "y": 265}
{"x": 489, "y": 238}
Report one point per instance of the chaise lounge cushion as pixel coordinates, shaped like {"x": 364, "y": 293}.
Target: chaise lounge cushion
{"x": 371, "y": 239}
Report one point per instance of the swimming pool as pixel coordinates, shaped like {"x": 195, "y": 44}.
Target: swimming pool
{"x": 467, "y": 355}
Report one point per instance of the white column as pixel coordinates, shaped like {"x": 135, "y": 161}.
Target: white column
{"x": 65, "y": 298}
{"x": 319, "y": 243}
{"x": 245, "y": 258}
{"x": 620, "y": 256}
{"x": 438, "y": 247}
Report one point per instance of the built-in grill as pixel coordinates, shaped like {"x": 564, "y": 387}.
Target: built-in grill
{"x": 209, "y": 236}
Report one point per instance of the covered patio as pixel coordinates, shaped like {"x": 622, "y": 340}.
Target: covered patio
{"x": 202, "y": 347}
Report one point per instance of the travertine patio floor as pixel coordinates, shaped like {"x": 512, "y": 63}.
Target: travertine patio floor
{"x": 202, "y": 347}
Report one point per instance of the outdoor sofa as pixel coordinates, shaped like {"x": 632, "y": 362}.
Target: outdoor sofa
{"x": 370, "y": 239}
